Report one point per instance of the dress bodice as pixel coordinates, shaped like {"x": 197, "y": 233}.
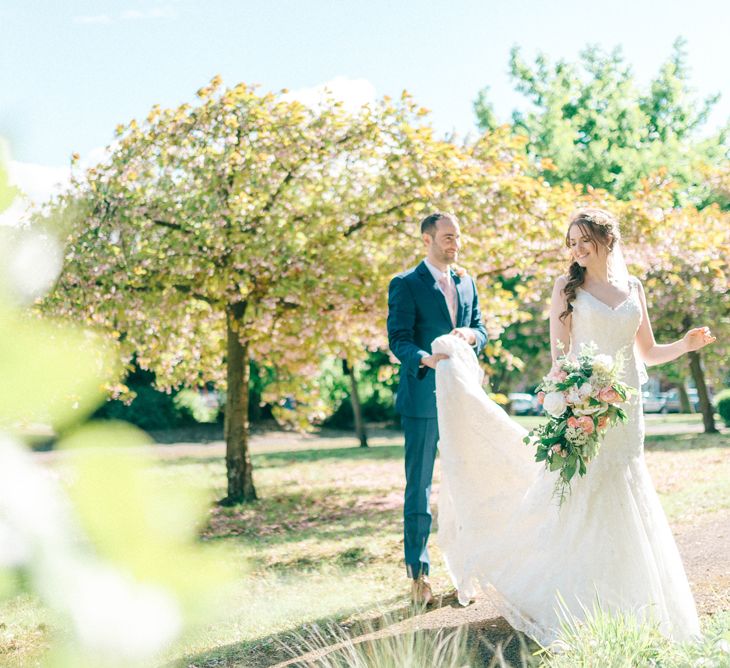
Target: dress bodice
{"x": 612, "y": 329}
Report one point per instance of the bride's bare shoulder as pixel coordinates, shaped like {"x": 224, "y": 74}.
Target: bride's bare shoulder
{"x": 560, "y": 283}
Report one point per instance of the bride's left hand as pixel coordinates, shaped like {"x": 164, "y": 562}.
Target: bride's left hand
{"x": 698, "y": 338}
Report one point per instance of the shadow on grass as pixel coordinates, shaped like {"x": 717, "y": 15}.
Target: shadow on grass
{"x": 329, "y": 513}
{"x": 299, "y": 456}
{"x": 208, "y": 433}
{"x": 693, "y": 441}
{"x": 302, "y": 645}
{"x": 376, "y": 453}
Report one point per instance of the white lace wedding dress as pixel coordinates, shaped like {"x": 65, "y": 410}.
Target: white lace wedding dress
{"x": 502, "y": 532}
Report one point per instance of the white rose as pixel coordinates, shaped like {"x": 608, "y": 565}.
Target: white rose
{"x": 573, "y": 395}
{"x": 554, "y": 403}
{"x": 602, "y": 362}
{"x": 585, "y": 390}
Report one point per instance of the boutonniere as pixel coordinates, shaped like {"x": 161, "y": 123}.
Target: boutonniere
{"x": 459, "y": 271}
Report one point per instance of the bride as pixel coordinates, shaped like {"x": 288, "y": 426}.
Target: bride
{"x": 500, "y": 528}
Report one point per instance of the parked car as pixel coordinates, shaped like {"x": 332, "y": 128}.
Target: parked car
{"x": 653, "y": 403}
{"x": 672, "y": 403}
{"x": 522, "y": 403}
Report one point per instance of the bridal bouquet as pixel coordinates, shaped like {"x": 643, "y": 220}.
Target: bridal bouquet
{"x": 581, "y": 397}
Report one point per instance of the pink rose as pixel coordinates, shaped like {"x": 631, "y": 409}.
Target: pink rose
{"x": 540, "y": 397}
{"x": 573, "y": 422}
{"x": 602, "y": 421}
{"x": 586, "y": 424}
{"x": 609, "y": 395}
{"x": 557, "y": 375}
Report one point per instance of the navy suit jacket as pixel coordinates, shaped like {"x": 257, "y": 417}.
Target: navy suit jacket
{"x": 417, "y": 314}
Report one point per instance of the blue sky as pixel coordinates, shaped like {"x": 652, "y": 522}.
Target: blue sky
{"x": 72, "y": 70}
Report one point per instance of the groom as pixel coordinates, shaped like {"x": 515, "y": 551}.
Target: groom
{"x": 424, "y": 303}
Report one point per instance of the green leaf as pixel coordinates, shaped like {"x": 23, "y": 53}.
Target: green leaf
{"x": 569, "y": 468}
{"x": 52, "y": 374}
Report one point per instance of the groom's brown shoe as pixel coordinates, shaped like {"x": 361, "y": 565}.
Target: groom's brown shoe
{"x": 421, "y": 590}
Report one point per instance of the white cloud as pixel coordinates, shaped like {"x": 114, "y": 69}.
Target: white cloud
{"x": 354, "y": 93}
{"x": 99, "y": 19}
{"x": 37, "y": 184}
{"x": 96, "y": 155}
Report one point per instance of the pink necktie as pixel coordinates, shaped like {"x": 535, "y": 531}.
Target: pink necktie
{"x": 449, "y": 290}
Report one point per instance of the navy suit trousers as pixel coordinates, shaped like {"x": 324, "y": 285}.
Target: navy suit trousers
{"x": 421, "y": 439}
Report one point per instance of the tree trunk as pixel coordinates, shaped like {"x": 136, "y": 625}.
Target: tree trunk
{"x": 685, "y": 406}
{"x": 356, "y": 406}
{"x": 698, "y": 374}
{"x": 238, "y": 457}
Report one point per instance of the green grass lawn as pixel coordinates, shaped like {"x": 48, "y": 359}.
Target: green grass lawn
{"x": 324, "y": 542}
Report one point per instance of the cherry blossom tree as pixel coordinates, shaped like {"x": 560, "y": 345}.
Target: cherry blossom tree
{"x": 247, "y": 225}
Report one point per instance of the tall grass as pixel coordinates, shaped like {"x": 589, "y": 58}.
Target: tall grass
{"x": 598, "y": 639}
{"x": 625, "y": 640}
{"x": 398, "y": 647}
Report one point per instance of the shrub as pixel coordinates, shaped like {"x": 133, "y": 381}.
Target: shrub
{"x": 722, "y": 403}
{"x": 150, "y": 410}
{"x": 194, "y": 405}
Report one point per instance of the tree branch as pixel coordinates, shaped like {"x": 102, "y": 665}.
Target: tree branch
{"x": 498, "y": 271}
{"x": 171, "y": 225}
{"x": 364, "y": 221}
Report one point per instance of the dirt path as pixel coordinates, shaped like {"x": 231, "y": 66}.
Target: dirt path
{"x": 705, "y": 549}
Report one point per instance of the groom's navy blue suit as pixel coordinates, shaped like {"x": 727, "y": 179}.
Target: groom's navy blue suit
{"x": 417, "y": 314}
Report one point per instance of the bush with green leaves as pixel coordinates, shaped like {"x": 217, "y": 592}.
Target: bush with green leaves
{"x": 722, "y": 404}
{"x": 377, "y": 382}
{"x": 151, "y": 409}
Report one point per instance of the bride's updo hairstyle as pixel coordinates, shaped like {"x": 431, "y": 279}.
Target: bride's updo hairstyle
{"x": 602, "y": 229}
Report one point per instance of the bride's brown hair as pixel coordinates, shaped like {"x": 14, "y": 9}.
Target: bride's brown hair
{"x": 601, "y": 228}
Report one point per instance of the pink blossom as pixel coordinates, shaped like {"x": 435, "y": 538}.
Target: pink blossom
{"x": 602, "y": 421}
{"x": 557, "y": 375}
{"x": 609, "y": 395}
{"x": 586, "y": 424}
{"x": 540, "y": 397}
{"x": 573, "y": 422}
{"x": 555, "y": 448}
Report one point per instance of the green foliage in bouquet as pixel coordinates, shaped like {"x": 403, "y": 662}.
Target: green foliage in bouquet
{"x": 581, "y": 397}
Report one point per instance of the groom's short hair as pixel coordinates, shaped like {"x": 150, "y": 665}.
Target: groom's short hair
{"x": 428, "y": 224}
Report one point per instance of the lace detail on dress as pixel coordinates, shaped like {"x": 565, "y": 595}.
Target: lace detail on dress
{"x": 502, "y": 533}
